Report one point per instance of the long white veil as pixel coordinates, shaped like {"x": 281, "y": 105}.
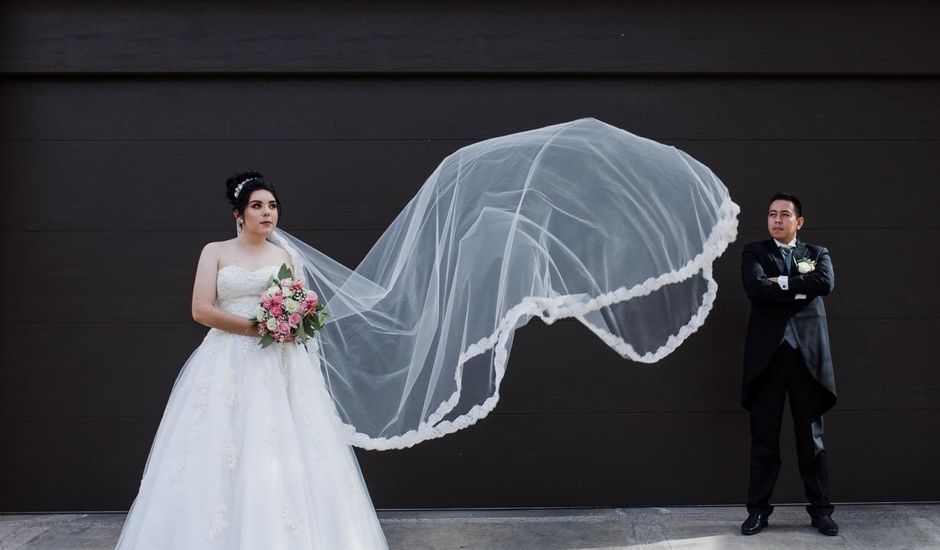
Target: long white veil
{"x": 580, "y": 220}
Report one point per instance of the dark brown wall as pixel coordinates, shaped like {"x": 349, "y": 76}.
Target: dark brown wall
{"x": 120, "y": 124}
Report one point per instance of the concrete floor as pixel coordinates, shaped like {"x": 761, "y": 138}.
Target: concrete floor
{"x": 881, "y": 527}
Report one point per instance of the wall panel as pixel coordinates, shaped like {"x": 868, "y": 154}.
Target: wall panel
{"x": 119, "y": 123}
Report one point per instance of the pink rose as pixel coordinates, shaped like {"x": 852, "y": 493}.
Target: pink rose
{"x": 266, "y": 303}
{"x": 294, "y": 319}
{"x": 277, "y": 311}
{"x": 312, "y": 296}
{"x": 297, "y": 285}
{"x": 283, "y": 327}
{"x": 278, "y": 299}
{"x": 285, "y": 282}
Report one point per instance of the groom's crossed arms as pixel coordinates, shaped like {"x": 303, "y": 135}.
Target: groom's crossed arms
{"x": 758, "y": 286}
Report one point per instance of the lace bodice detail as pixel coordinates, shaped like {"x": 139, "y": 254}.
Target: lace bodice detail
{"x": 251, "y": 452}
{"x": 238, "y": 290}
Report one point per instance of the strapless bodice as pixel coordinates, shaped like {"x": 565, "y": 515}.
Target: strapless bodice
{"x": 238, "y": 290}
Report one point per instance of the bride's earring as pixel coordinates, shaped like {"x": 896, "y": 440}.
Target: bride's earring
{"x": 238, "y": 227}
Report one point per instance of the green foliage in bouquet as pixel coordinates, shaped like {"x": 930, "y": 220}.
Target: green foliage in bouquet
{"x": 313, "y": 320}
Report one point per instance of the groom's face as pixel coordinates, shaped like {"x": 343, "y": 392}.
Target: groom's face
{"x": 782, "y": 221}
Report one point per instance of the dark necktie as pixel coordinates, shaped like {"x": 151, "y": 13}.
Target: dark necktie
{"x": 786, "y": 251}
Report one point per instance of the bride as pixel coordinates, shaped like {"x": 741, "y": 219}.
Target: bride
{"x": 250, "y": 452}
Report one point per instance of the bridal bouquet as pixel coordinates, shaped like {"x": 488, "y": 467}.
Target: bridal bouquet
{"x": 288, "y": 310}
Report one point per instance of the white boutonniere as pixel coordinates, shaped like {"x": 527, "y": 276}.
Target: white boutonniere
{"x": 805, "y": 265}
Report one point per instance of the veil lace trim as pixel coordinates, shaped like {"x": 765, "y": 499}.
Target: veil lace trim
{"x": 580, "y": 219}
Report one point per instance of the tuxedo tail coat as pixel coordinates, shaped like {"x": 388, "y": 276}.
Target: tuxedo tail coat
{"x": 772, "y": 308}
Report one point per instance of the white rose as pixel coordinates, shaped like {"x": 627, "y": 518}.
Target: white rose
{"x": 260, "y": 313}
{"x": 271, "y": 324}
{"x": 291, "y": 305}
{"x": 805, "y": 267}
{"x": 273, "y": 290}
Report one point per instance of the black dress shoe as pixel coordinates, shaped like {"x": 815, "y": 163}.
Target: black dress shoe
{"x": 826, "y": 526}
{"x": 754, "y": 523}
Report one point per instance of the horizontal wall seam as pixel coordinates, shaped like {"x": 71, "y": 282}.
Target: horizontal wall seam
{"x": 460, "y": 139}
{"x": 472, "y": 74}
{"x": 835, "y": 411}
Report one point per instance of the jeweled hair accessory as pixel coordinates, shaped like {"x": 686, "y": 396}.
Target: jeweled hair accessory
{"x": 238, "y": 189}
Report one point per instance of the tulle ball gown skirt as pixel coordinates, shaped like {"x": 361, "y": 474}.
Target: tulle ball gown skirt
{"x": 250, "y": 454}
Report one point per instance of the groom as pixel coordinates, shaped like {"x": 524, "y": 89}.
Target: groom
{"x": 787, "y": 355}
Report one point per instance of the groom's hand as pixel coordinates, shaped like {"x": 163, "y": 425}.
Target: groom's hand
{"x": 757, "y": 285}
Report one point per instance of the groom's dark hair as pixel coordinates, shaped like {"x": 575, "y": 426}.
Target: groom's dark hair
{"x": 788, "y": 197}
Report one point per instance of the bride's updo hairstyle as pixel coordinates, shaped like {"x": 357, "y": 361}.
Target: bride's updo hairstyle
{"x": 240, "y": 186}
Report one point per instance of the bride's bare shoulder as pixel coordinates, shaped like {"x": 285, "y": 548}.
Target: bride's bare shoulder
{"x": 216, "y": 249}
{"x": 220, "y": 244}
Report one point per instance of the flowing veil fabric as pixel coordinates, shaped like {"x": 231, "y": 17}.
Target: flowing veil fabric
{"x": 579, "y": 220}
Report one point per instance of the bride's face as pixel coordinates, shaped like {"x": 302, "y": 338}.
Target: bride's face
{"x": 260, "y": 214}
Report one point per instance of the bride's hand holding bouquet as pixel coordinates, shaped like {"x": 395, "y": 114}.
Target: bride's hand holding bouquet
{"x": 288, "y": 311}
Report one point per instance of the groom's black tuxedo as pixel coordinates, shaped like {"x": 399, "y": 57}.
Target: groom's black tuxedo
{"x": 787, "y": 356}
{"x": 772, "y": 308}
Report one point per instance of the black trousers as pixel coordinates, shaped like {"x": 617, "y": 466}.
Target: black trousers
{"x": 786, "y": 375}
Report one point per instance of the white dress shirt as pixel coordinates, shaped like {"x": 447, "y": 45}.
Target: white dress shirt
{"x": 784, "y": 280}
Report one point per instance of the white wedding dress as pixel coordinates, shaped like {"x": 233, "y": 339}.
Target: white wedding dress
{"x": 250, "y": 453}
